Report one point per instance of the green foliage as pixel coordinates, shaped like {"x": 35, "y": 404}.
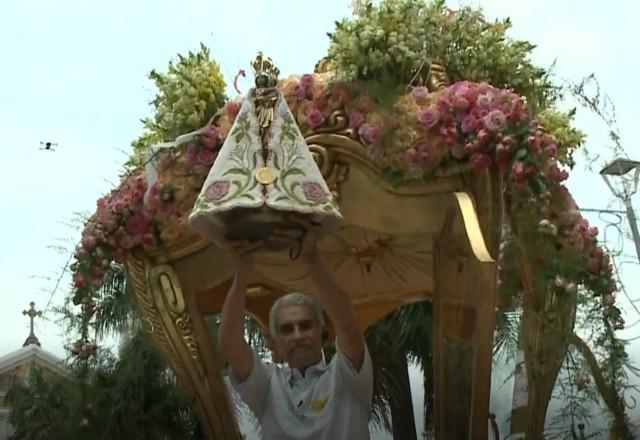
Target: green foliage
{"x": 188, "y": 94}
{"x": 132, "y": 397}
{"x": 386, "y": 42}
{"x": 569, "y": 139}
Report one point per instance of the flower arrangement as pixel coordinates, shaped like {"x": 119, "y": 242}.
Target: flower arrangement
{"x": 474, "y": 124}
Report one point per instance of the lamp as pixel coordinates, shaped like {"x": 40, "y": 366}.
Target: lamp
{"x": 621, "y": 176}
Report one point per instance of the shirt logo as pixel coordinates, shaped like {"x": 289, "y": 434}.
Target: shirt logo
{"x": 319, "y": 404}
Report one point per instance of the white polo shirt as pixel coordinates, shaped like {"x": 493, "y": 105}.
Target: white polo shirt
{"x": 331, "y": 402}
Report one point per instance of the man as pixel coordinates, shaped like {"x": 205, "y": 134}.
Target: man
{"x": 307, "y": 398}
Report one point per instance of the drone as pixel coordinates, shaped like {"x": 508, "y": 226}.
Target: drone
{"x": 48, "y": 146}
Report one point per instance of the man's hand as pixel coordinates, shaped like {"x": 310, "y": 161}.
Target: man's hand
{"x": 242, "y": 254}
{"x": 306, "y": 245}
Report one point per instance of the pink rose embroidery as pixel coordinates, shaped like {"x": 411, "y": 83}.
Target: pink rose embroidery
{"x": 314, "y": 192}
{"x": 217, "y": 190}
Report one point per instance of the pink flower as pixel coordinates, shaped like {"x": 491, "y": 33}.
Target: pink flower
{"x": 461, "y": 103}
{"x": 209, "y": 138}
{"x": 469, "y": 123}
{"x": 495, "y": 120}
{"x": 481, "y": 162}
{"x": 551, "y": 150}
{"x": 117, "y": 207}
{"x": 306, "y": 80}
{"x": 518, "y": 172}
{"x": 485, "y": 100}
{"x": 217, "y": 190}
{"x": 428, "y": 117}
{"x": 356, "y": 119}
{"x": 594, "y": 265}
{"x": 315, "y": 118}
{"x": 420, "y": 94}
{"x": 88, "y": 242}
{"x": 556, "y": 174}
{"x": 206, "y": 157}
{"x": 137, "y": 224}
{"x": 370, "y": 132}
{"x": 299, "y": 91}
{"x": 126, "y": 242}
{"x": 314, "y": 192}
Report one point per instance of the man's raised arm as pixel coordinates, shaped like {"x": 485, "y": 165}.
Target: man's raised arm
{"x": 231, "y": 340}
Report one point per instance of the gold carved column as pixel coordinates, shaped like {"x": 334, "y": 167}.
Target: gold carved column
{"x": 178, "y": 329}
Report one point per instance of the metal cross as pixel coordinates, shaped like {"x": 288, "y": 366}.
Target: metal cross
{"x": 32, "y": 338}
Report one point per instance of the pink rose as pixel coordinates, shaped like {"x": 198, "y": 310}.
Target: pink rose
{"x": 206, "y": 157}
{"x": 495, "y": 120}
{"x": 299, "y": 91}
{"x": 484, "y": 101}
{"x": 594, "y": 265}
{"x": 117, "y": 207}
{"x": 608, "y": 300}
{"x": 137, "y": 224}
{"x": 356, "y": 119}
{"x": 217, "y": 190}
{"x": 481, "y": 162}
{"x": 370, "y": 132}
{"x": 518, "y": 172}
{"x": 482, "y": 137}
{"x": 428, "y": 117}
{"x": 126, "y": 242}
{"x": 420, "y": 94}
{"x": 551, "y": 150}
{"x": 314, "y": 192}
{"x": 461, "y": 103}
{"x": 469, "y": 123}
{"x": 315, "y": 118}
{"x": 306, "y": 80}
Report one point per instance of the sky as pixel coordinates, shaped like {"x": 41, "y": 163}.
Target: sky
{"x": 75, "y": 73}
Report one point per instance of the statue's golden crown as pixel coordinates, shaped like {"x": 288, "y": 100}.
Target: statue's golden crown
{"x": 263, "y": 65}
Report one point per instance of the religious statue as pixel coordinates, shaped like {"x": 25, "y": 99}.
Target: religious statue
{"x": 263, "y": 172}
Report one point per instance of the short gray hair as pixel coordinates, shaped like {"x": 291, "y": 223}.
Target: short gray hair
{"x": 294, "y": 299}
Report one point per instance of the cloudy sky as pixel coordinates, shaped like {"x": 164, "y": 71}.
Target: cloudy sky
{"x": 74, "y": 72}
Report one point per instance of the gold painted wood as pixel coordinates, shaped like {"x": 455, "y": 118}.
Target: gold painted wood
{"x": 465, "y": 285}
{"x": 180, "y": 334}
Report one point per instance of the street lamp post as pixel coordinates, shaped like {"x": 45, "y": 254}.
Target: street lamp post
{"x": 621, "y": 176}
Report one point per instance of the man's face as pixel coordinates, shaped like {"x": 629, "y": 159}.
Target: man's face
{"x": 299, "y": 338}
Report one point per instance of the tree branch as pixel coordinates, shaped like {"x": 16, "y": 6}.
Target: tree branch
{"x": 608, "y": 393}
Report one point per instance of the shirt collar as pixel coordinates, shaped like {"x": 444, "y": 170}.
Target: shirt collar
{"x": 293, "y": 375}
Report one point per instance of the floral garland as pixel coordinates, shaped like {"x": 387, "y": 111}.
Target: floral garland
{"x": 470, "y": 124}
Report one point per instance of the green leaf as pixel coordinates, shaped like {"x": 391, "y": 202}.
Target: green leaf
{"x": 237, "y": 170}
{"x": 292, "y": 172}
{"x": 521, "y": 154}
{"x": 276, "y": 162}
